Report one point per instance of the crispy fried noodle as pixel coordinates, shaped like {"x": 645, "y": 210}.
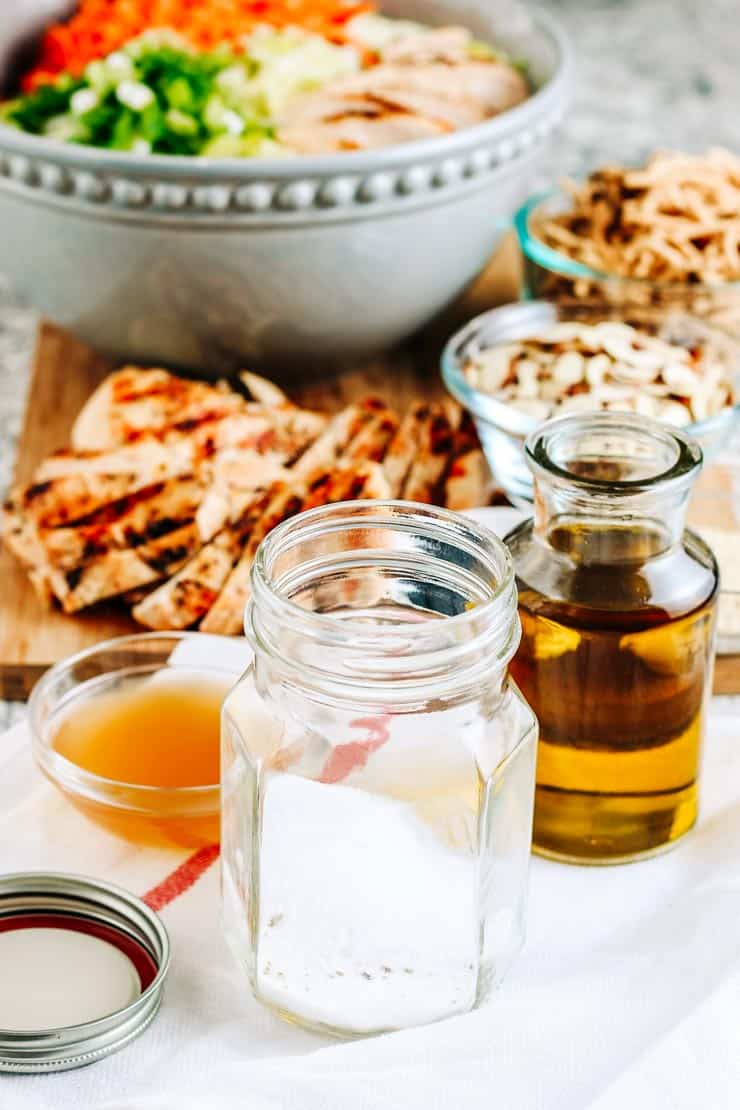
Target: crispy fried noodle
{"x": 675, "y": 221}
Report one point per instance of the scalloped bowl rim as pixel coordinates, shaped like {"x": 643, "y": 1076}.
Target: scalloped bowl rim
{"x": 506, "y": 418}
{"x": 14, "y": 141}
{"x": 554, "y": 261}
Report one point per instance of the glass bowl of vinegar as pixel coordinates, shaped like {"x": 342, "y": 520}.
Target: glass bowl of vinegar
{"x": 129, "y": 730}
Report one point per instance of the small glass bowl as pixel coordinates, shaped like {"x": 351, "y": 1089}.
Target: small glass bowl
{"x": 554, "y": 276}
{"x": 502, "y": 429}
{"x": 184, "y": 817}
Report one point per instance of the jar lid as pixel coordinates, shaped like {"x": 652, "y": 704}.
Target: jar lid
{"x": 82, "y": 967}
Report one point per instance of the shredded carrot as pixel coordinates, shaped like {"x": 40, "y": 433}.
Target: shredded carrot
{"x": 102, "y": 26}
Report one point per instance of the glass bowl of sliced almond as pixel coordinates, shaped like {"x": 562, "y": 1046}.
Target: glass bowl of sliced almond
{"x": 516, "y": 366}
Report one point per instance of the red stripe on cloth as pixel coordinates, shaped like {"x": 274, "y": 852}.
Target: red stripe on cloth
{"x": 346, "y": 758}
{"x": 182, "y": 878}
{"x": 343, "y": 760}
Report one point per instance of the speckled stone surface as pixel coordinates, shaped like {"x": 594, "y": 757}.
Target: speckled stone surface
{"x": 651, "y": 73}
{"x": 17, "y": 336}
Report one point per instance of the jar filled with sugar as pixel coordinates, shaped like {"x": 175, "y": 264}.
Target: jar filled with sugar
{"x": 377, "y": 770}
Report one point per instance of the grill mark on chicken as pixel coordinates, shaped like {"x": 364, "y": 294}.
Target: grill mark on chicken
{"x": 224, "y": 616}
{"x": 72, "y": 497}
{"x": 404, "y": 447}
{"x": 426, "y": 84}
{"x": 343, "y": 483}
{"x": 181, "y": 601}
{"x": 429, "y": 466}
{"x": 132, "y": 521}
{"x": 37, "y": 489}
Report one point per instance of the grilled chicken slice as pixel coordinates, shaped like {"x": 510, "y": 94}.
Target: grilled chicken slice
{"x": 153, "y": 405}
{"x": 133, "y": 401}
{"x": 236, "y": 475}
{"x": 458, "y": 421}
{"x": 186, "y": 598}
{"x": 466, "y": 437}
{"x": 131, "y": 522}
{"x": 347, "y": 482}
{"x": 469, "y": 482}
{"x": 324, "y": 452}
{"x": 357, "y": 130}
{"x": 21, "y": 536}
{"x": 273, "y": 440}
{"x": 149, "y": 459}
{"x": 488, "y": 87}
{"x": 401, "y": 100}
{"x": 446, "y": 114}
{"x": 332, "y": 104}
{"x": 284, "y": 433}
{"x": 435, "y": 447}
{"x": 57, "y": 501}
{"x": 371, "y": 441}
{"x": 404, "y": 446}
{"x": 111, "y": 574}
{"x": 361, "y": 481}
{"x": 117, "y": 571}
{"x": 226, "y": 616}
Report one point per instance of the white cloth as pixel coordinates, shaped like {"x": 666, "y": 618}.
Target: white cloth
{"x": 627, "y": 993}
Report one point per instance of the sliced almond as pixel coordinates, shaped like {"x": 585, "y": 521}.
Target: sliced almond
{"x": 634, "y": 374}
{"x": 494, "y": 366}
{"x": 527, "y": 372}
{"x": 699, "y": 408}
{"x": 673, "y": 412}
{"x": 681, "y": 380}
{"x": 550, "y": 390}
{"x": 569, "y": 369}
{"x": 597, "y": 367}
{"x": 645, "y": 405}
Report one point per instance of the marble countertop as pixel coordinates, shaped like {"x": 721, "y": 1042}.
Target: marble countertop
{"x": 650, "y": 73}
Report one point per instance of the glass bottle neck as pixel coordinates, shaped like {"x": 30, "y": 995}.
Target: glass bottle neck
{"x": 590, "y": 529}
{"x": 611, "y": 488}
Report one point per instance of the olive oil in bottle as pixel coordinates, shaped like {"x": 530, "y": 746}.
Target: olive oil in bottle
{"x": 617, "y": 609}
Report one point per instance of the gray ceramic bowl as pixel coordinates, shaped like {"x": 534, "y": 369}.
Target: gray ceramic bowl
{"x": 211, "y": 263}
{"x": 502, "y": 429}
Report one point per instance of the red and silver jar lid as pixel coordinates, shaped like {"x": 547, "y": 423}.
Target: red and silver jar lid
{"x": 82, "y": 967}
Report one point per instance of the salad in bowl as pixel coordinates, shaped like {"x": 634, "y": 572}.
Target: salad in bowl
{"x": 292, "y": 183}
{"x": 263, "y": 78}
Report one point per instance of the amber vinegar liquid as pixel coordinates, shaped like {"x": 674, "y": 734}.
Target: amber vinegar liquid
{"x": 161, "y": 731}
{"x": 615, "y": 660}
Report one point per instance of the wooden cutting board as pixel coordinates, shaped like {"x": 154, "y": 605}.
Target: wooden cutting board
{"x": 65, "y": 372}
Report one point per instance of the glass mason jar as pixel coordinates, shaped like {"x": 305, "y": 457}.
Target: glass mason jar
{"x": 377, "y": 770}
{"x": 617, "y": 603}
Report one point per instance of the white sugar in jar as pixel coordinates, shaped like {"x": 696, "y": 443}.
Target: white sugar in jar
{"x": 377, "y": 770}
